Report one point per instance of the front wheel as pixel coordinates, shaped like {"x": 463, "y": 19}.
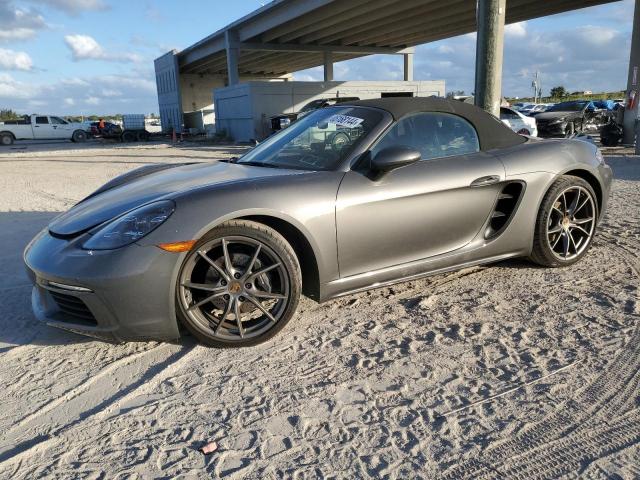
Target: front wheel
{"x": 239, "y": 286}
{"x": 79, "y": 136}
{"x": 566, "y": 223}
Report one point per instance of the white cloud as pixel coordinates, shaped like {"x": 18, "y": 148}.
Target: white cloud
{"x": 74, "y": 7}
{"x": 14, "y": 90}
{"x": 518, "y": 30}
{"x": 85, "y": 47}
{"x": 109, "y": 93}
{"x": 19, "y": 24}
{"x": 12, "y": 60}
{"x": 38, "y": 103}
{"x": 74, "y": 95}
{"x": 445, "y": 49}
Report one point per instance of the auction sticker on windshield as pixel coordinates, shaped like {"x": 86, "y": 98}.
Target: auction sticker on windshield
{"x": 345, "y": 121}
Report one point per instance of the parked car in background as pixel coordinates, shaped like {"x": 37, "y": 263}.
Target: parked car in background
{"x": 567, "y": 118}
{"x": 533, "y": 110}
{"x": 518, "y": 122}
{"x": 520, "y": 105}
{"x": 133, "y": 129}
{"x": 110, "y": 130}
{"x": 282, "y": 121}
{"x": 41, "y": 127}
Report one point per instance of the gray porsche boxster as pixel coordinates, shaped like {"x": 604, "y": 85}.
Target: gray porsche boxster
{"x": 348, "y": 198}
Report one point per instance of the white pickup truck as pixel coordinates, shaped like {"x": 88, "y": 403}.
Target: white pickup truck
{"x": 40, "y": 127}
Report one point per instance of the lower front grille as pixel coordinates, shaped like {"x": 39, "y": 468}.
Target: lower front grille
{"x": 74, "y": 308}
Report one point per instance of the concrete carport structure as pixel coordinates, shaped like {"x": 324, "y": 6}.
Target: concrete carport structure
{"x": 285, "y": 36}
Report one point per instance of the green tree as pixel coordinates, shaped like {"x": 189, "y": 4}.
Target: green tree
{"x": 558, "y": 92}
{"x": 8, "y": 114}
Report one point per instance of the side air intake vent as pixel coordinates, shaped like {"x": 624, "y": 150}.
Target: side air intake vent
{"x": 505, "y": 207}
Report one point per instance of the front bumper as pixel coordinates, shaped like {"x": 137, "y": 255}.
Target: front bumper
{"x": 116, "y": 295}
{"x": 548, "y": 130}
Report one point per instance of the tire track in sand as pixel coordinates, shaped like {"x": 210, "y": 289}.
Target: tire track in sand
{"x": 601, "y": 419}
{"x": 93, "y": 397}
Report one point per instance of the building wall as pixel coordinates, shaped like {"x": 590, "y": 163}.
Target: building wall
{"x": 243, "y": 111}
{"x": 169, "y": 99}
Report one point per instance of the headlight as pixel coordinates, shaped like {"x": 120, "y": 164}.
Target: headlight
{"x": 599, "y": 156}
{"x": 285, "y": 122}
{"x": 559, "y": 120}
{"x": 130, "y": 227}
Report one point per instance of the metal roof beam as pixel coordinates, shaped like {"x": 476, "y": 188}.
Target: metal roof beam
{"x": 286, "y": 11}
{"x": 435, "y": 15}
{"x": 375, "y": 11}
{"x": 353, "y": 15}
{"x": 323, "y": 15}
{"x": 294, "y": 47}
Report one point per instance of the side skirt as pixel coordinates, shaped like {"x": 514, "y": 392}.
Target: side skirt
{"x": 399, "y": 274}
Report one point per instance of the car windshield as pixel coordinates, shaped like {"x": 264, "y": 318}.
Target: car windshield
{"x": 319, "y": 141}
{"x": 567, "y": 107}
{"x": 314, "y": 105}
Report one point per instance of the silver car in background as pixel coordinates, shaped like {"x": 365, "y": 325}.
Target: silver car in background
{"x": 348, "y": 198}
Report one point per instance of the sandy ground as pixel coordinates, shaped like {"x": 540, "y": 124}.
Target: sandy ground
{"x": 507, "y": 371}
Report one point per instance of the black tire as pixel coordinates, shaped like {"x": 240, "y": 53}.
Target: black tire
{"x": 6, "y": 139}
{"x": 79, "y": 136}
{"x": 543, "y": 252}
{"x": 143, "y": 136}
{"x": 129, "y": 137}
{"x": 270, "y": 241}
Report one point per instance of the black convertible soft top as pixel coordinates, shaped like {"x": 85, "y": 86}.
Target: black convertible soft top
{"x": 492, "y": 133}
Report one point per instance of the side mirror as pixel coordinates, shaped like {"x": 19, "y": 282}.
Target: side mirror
{"x": 394, "y": 157}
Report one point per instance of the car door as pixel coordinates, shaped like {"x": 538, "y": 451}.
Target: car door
{"x": 61, "y": 129}
{"x": 428, "y": 208}
{"x": 42, "y": 129}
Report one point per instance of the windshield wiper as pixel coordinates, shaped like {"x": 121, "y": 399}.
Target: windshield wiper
{"x": 259, "y": 164}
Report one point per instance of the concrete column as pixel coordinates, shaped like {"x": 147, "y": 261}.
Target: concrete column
{"x": 233, "y": 56}
{"x": 633, "y": 83}
{"x": 328, "y": 67}
{"x": 489, "y": 54}
{"x": 408, "y": 67}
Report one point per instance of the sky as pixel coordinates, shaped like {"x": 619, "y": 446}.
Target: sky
{"x": 82, "y": 57}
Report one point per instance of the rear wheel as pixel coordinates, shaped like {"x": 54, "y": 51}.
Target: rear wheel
{"x": 143, "y": 136}
{"x": 6, "y": 139}
{"x": 79, "y": 136}
{"x": 129, "y": 137}
{"x": 566, "y": 223}
{"x": 239, "y": 286}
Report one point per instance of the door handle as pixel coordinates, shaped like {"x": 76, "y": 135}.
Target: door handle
{"x": 483, "y": 181}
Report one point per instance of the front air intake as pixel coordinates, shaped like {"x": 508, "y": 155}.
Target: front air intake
{"x": 508, "y": 200}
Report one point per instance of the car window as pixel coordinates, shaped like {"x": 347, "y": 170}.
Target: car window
{"x": 434, "y": 135}
{"x": 42, "y": 120}
{"x": 320, "y": 140}
{"x": 507, "y": 114}
{"x": 57, "y": 121}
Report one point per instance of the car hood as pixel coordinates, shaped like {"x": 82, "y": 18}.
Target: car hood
{"x": 556, "y": 115}
{"x": 133, "y": 190}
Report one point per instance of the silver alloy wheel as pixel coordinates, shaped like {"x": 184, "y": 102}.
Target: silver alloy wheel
{"x": 571, "y": 223}
{"x": 234, "y": 288}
